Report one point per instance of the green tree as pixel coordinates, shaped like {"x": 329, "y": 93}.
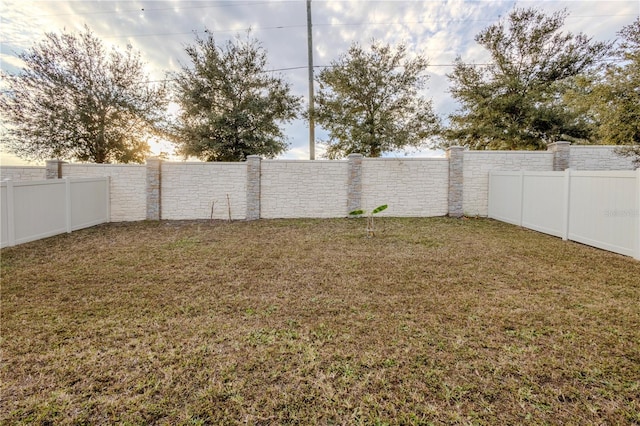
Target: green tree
{"x": 75, "y": 100}
{"x": 369, "y": 102}
{"x": 516, "y": 101}
{"x": 231, "y": 104}
{"x": 621, "y": 123}
{"x": 616, "y": 99}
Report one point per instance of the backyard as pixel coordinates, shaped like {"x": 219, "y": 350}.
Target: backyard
{"x": 432, "y": 321}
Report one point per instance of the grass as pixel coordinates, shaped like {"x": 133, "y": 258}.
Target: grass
{"x": 434, "y": 321}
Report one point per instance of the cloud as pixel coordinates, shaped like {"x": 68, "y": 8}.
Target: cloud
{"x": 442, "y": 29}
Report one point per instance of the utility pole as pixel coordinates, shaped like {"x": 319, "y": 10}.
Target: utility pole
{"x": 312, "y": 130}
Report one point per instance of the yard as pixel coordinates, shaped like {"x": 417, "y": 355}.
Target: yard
{"x": 433, "y": 321}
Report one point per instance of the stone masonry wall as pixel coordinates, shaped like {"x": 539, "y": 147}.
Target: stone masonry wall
{"x": 477, "y": 165}
{"x": 599, "y": 157}
{"x": 303, "y": 188}
{"x": 411, "y": 187}
{"x": 20, "y": 173}
{"x": 128, "y": 187}
{"x": 190, "y": 189}
{"x": 259, "y": 188}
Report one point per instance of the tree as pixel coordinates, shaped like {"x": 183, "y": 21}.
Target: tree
{"x": 75, "y": 100}
{"x": 516, "y": 101}
{"x": 369, "y": 102}
{"x": 231, "y": 104}
{"x": 615, "y": 101}
{"x": 621, "y": 124}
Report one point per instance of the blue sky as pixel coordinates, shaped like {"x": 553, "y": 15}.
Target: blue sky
{"x": 160, "y": 30}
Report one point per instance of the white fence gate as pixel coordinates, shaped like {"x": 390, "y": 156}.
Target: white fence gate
{"x": 38, "y": 209}
{"x": 600, "y": 209}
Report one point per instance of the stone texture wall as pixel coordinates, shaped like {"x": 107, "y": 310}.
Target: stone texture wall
{"x": 299, "y": 188}
{"x": 20, "y": 173}
{"x": 259, "y": 188}
{"x": 190, "y": 189}
{"x": 411, "y": 187}
{"x": 128, "y": 187}
{"x": 477, "y": 165}
{"x": 598, "y": 157}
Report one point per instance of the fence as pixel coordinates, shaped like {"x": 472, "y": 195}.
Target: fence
{"x": 597, "y": 208}
{"x": 456, "y": 185}
{"x": 37, "y": 209}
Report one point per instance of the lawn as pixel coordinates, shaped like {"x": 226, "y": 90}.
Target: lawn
{"x": 433, "y": 321}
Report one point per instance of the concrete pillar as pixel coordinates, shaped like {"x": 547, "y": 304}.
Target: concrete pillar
{"x": 354, "y": 182}
{"x": 561, "y": 155}
{"x": 154, "y": 180}
{"x": 54, "y": 169}
{"x": 455, "y": 154}
{"x": 254, "y": 171}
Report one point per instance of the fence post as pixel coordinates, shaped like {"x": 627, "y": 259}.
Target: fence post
{"x": 637, "y": 256}
{"x": 561, "y": 155}
{"x": 489, "y": 192}
{"x": 455, "y": 154}
{"x": 154, "y": 200}
{"x": 67, "y": 184}
{"x": 354, "y": 182}
{"x": 254, "y": 172}
{"x": 11, "y": 223}
{"x": 566, "y": 204}
{"x": 521, "y": 215}
{"x": 53, "y": 169}
{"x": 108, "y": 178}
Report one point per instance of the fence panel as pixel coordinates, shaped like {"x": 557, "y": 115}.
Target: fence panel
{"x": 200, "y": 191}
{"x": 89, "y": 202}
{"x": 603, "y": 210}
{"x": 600, "y": 209}
{"x": 543, "y": 196}
{"x": 505, "y": 197}
{"x": 39, "y": 209}
{"x": 4, "y": 216}
{"x": 299, "y": 188}
{"x": 411, "y": 187}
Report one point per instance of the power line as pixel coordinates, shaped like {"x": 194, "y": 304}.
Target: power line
{"x": 333, "y": 24}
{"x": 105, "y": 12}
{"x": 256, "y": 3}
{"x": 279, "y": 27}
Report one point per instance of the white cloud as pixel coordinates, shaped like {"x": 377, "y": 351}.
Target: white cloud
{"x": 443, "y": 29}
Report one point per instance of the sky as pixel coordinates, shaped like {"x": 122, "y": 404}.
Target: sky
{"x": 441, "y": 30}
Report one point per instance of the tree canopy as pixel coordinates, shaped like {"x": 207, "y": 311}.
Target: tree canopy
{"x": 615, "y": 100}
{"x": 619, "y": 105}
{"x": 516, "y": 101}
{"x": 370, "y": 102}
{"x": 231, "y": 105}
{"x": 74, "y": 100}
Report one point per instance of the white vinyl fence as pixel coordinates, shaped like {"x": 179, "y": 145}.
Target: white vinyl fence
{"x": 597, "y": 208}
{"x": 33, "y": 210}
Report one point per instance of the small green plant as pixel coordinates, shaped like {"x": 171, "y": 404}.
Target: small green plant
{"x": 370, "y": 228}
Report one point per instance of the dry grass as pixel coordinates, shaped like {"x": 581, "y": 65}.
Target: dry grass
{"x": 434, "y": 321}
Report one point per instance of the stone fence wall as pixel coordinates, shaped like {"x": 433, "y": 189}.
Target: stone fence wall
{"x": 294, "y": 188}
{"x": 456, "y": 185}
{"x": 22, "y": 173}
{"x": 203, "y": 190}
{"x": 597, "y": 157}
